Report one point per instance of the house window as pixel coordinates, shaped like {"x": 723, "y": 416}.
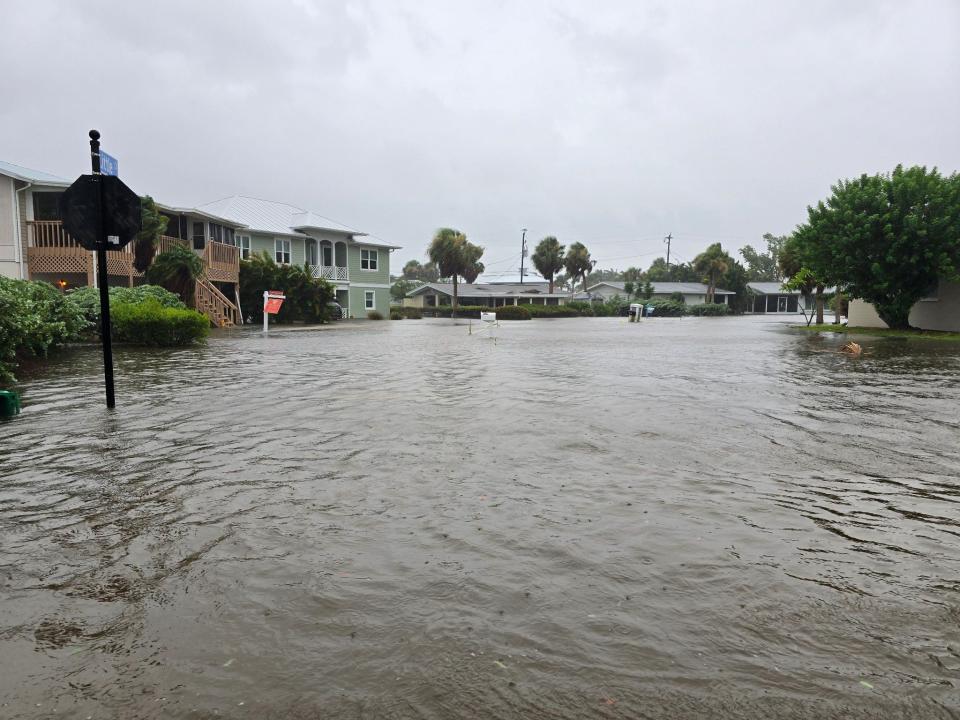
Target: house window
{"x": 281, "y": 249}
{"x": 327, "y": 255}
{"x": 46, "y": 205}
{"x": 199, "y": 238}
{"x": 368, "y": 259}
{"x": 243, "y": 242}
{"x": 311, "y": 252}
{"x": 368, "y": 299}
{"x": 216, "y": 232}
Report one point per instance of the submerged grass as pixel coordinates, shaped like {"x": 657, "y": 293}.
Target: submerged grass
{"x": 881, "y": 332}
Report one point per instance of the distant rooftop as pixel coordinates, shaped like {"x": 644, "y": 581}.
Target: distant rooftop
{"x": 666, "y": 288}
{"x": 18, "y": 172}
{"x": 495, "y": 289}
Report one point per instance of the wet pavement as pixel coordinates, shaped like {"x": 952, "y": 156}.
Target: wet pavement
{"x": 684, "y": 518}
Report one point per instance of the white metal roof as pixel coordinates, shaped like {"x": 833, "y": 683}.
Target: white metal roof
{"x": 19, "y": 172}
{"x": 666, "y": 288}
{"x": 489, "y": 289}
{"x": 278, "y": 218}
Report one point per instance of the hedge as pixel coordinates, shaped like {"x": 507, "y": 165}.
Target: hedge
{"x": 374, "y": 315}
{"x": 151, "y": 323}
{"x": 549, "y": 311}
{"x": 396, "y": 313}
{"x": 412, "y": 313}
{"x": 512, "y": 312}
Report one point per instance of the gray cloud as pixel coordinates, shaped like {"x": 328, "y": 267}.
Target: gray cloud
{"x": 609, "y": 123}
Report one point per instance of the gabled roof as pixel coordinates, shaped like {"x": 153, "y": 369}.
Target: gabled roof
{"x": 666, "y": 288}
{"x": 278, "y": 218}
{"x": 18, "y": 172}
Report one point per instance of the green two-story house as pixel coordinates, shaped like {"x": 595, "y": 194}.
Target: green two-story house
{"x": 358, "y": 267}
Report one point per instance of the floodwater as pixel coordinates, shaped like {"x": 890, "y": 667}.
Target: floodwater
{"x": 686, "y": 518}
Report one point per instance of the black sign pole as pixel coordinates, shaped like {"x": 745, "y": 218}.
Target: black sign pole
{"x": 102, "y": 273}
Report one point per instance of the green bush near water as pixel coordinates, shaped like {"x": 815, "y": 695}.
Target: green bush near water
{"x": 548, "y": 311}
{"x": 412, "y": 313}
{"x": 35, "y": 318}
{"x": 374, "y": 315}
{"x": 709, "y": 310}
{"x": 396, "y": 313}
{"x": 151, "y": 323}
{"x": 87, "y": 299}
{"x": 512, "y": 312}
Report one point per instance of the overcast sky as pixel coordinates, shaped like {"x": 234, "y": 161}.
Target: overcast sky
{"x": 611, "y": 123}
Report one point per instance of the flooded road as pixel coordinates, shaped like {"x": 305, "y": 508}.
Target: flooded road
{"x": 689, "y": 518}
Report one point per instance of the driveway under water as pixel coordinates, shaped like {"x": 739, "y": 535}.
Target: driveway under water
{"x": 716, "y": 518}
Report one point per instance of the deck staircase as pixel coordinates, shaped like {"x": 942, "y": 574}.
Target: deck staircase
{"x": 215, "y": 305}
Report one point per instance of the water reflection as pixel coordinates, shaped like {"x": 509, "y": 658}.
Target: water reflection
{"x": 686, "y": 518}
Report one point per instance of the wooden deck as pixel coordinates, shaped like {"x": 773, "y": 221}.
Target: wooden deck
{"x": 52, "y": 251}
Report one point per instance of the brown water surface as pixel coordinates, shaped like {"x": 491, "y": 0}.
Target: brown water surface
{"x": 715, "y": 518}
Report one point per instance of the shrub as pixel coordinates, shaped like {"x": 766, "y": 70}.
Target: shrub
{"x": 34, "y": 319}
{"x": 150, "y": 323}
{"x": 87, "y": 299}
{"x": 678, "y": 297}
{"x": 709, "y": 310}
{"x": 511, "y": 312}
{"x": 666, "y": 308}
{"x": 396, "y": 313}
{"x": 308, "y": 297}
{"x": 464, "y": 311}
{"x": 550, "y": 311}
{"x": 374, "y": 315}
{"x": 412, "y": 313}
{"x": 584, "y": 308}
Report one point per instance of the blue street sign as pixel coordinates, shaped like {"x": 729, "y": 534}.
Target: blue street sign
{"x": 108, "y": 164}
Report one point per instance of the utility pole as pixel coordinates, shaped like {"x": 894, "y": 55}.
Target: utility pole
{"x": 667, "y": 240}
{"x": 523, "y": 252}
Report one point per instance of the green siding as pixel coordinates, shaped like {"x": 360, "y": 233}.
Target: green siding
{"x": 259, "y": 243}
{"x": 379, "y": 276}
{"x": 381, "y": 301}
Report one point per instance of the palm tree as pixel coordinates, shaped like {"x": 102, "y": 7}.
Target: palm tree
{"x": 177, "y": 270}
{"x": 712, "y": 263}
{"x": 153, "y": 225}
{"x": 578, "y": 263}
{"x": 454, "y": 256}
{"x": 548, "y": 258}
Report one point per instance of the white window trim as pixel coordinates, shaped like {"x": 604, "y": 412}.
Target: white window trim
{"x": 285, "y": 243}
{"x": 248, "y": 248}
{"x": 369, "y": 300}
{"x": 376, "y": 259}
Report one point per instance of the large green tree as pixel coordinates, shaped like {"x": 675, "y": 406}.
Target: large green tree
{"x": 455, "y": 257}
{"x": 659, "y": 271}
{"x": 800, "y": 277}
{"x": 424, "y": 272}
{"x": 548, "y": 259}
{"x": 763, "y": 266}
{"x": 886, "y": 238}
{"x": 578, "y": 263}
{"x": 712, "y": 264}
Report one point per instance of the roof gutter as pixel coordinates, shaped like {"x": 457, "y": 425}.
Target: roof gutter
{"x": 16, "y": 213}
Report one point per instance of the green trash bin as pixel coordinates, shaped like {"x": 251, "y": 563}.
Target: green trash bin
{"x": 9, "y": 404}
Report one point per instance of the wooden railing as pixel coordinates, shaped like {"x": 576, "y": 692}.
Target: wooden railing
{"x": 215, "y": 305}
{"x": 222, "y": 262}
{"x": 50, "y": 246}
{"x": 330, "y": 272}
{"x": 49, "y": 234}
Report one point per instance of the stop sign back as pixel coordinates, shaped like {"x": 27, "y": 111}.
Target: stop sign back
{"x": 80, "y": 207}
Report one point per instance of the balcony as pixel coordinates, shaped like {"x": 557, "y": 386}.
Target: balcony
{"x": 332, "y": 273}
{"x": 52, "y": 251}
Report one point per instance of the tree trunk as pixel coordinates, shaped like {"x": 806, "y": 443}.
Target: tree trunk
{"x": 584, "y": 282}
{"x": 551, "y": 284}
{"x": 819, "y": 304}
{"x": 838, "y": 299}
{"x": 894, "y": 315}
{"x": 453, "y": 311}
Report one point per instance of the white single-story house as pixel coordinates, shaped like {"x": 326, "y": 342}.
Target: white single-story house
{"x": 693, "y": 293}
{"x": 772, "y": 297}
{"x": 493, "y": 294}
{"x": 940, "y": 310}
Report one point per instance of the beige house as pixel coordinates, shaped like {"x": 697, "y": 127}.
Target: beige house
{"x": 938, "y": 311}
{"x": 491, "y": 294}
